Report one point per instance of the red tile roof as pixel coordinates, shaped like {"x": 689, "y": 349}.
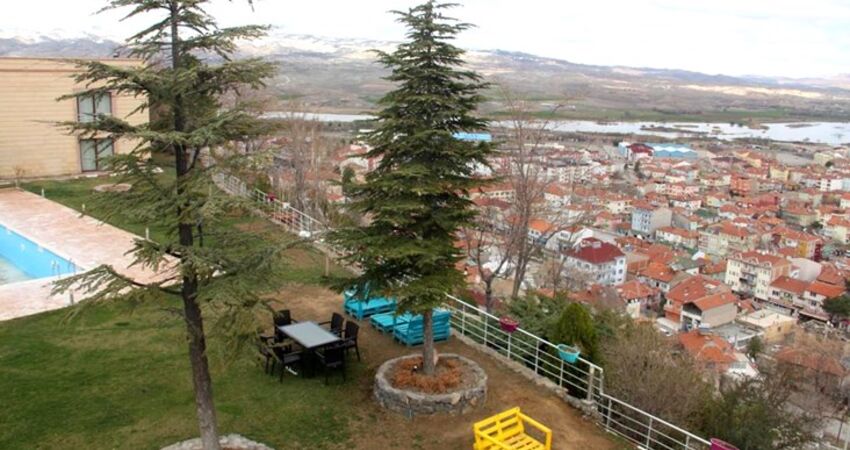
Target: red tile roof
{"x": 707, "y": 348}
{"x": 715, "y": 301}
{"x": 826, "y": 290}
{"x": 695, "y": 288}
{"x": 789, "y": 284}
{"x": 594, "y": 251}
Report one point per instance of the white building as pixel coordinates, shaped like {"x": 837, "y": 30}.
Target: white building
{"x": 597, "y": 262}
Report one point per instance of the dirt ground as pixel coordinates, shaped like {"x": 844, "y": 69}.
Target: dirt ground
{"x": 386, "y": 430}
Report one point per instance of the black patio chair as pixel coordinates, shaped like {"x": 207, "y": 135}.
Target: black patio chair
{"x": 335, "y": 324}
{"x": 287, "y": 359}
{"x": 349, "y": 341}
{"x": 332, "y": 357}
{"x": 282, "y": 318}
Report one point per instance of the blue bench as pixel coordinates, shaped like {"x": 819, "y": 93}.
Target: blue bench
{"x": 411, "y": 333}
{"x": 365, "y": 308}
{"x": 386, "y": 322}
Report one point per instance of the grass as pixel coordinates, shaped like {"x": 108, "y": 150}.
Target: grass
{"x": 118, "y": 377}
{"x": 304, "y": 264}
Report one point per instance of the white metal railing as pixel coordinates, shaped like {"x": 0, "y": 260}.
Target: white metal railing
{"x": 282, "y": 213}
{"x": 583, "y": 380}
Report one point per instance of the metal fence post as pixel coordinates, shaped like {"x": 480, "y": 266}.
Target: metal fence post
{"x": 561, "y": 377}
{"x": 463, "y": 320}
{"x": 509, "y": 345}
{"x": 649, "y": 433}
{"x": 536, "y": 358}
{"x": 485, "y": 332}
{"x": 590, "y": 377}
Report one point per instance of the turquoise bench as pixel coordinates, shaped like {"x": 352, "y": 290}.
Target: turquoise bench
{"x": 365, "y": 308}
{"x": 386, "y": 322}
{"x": 411, "y": 333}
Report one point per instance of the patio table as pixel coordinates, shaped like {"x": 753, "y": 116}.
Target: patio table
{"x": 311, "y": 336}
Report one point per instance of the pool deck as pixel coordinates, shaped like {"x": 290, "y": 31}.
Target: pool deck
{"x": 82, "y": 240}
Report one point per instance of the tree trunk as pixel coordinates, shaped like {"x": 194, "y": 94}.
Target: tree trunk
{"x": 200, "y": 368}
{"x": 429, "y": 354}
{"x": 521, "y": 264}
{"x": 189, "y": 291}
{"x": 488, "y": 295}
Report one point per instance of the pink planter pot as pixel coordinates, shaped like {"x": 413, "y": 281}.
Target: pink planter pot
{"x": 508, "y": 325}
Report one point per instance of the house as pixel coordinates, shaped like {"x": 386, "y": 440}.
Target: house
{"x": 816, "y": 293}
{"x": 787, "y": 293}
{"x": 838, "y": 229}
{"x": 773, "y": 327}
{"x": 712, "y": 352}
{"x": 648, "y": 217}
{"x": 677, "y": 237}
{"x": 709, "y": 311}
{"x": 710, "y": 303}
{"x": 752, "y": 273}
{"x": 637, "y": 297}
{"x": 31, "y": 145}
{"x": 595, "y": 261}
{"x": 804, "y": 245}
{"x": 721, "y": 239}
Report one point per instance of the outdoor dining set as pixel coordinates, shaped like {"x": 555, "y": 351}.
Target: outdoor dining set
{"x": 304, "y": 347}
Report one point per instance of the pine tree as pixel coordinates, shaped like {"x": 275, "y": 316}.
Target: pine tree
{"x": 187, "y": 69}
{"x": 416, "y": 198}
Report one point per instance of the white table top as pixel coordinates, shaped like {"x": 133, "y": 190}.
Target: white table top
{"x": 309, "y": 334}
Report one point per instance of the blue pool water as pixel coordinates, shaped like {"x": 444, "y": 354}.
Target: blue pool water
{"x": 22, "y": 259}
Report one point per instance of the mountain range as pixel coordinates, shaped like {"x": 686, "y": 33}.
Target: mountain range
{"x": 341, "y": 75}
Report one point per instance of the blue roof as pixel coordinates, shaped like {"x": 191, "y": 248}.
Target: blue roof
{"x": 477, "y": 137}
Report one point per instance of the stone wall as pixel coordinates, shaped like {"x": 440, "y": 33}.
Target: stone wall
{"x": 412, "y": 403}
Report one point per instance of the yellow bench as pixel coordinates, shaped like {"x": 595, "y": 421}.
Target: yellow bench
{"x": 506, "y": 431}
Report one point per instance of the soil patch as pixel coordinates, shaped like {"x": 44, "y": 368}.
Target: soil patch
{"x": 448, "y": 376}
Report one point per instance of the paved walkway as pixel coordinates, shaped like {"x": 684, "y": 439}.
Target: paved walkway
{"x": 82, "y": 240}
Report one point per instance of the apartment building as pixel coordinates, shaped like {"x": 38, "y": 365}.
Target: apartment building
{"x": 595, "y": 261}
{"x": 752, "y": 273}
{"x": 648, "y": 217}
{"x": 31, "y": 143}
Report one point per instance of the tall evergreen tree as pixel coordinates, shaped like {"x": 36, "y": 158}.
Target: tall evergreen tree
{"x": 213, "y": 271}
{"x": 416, "y": 198}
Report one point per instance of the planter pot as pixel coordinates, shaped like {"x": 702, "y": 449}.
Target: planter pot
{"x": 568, "y": 353}
{"x": 717, "y": 444}
{"x": 508, "y": 325}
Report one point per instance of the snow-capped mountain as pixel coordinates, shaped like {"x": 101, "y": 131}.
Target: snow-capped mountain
{"x": 342, "y": 74}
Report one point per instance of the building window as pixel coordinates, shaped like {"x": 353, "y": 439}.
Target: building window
{"x": 90, "y": 106}
{"x": 93, "y": 153}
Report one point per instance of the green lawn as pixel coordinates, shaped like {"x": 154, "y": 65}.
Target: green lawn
{"x": 116, "y": 377}
{"x": 305, "y": 264}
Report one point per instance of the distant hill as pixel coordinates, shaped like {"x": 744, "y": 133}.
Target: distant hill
{"x": 340, "y": 75}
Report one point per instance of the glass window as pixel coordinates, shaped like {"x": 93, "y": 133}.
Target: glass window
{"x": 89, "y": 106}
{"x": 94, "y": 154}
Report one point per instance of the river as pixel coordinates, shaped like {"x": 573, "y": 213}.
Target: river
{"x": 833, "y": 133}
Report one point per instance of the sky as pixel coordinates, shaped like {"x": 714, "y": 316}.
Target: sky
{"x": 787, "y": 38}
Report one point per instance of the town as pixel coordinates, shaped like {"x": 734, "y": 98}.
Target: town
{"x": 402, "y": 242}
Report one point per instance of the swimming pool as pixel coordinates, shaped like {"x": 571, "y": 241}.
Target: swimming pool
{"x": 22, "y": 259}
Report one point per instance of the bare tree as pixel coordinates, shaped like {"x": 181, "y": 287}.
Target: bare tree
{"x": 305, "y": 153}
{"x": 527, "y": 174}
{"x": 491, "y": 247}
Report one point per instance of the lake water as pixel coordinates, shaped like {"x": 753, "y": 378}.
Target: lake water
{"x": 833, "y": 133}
